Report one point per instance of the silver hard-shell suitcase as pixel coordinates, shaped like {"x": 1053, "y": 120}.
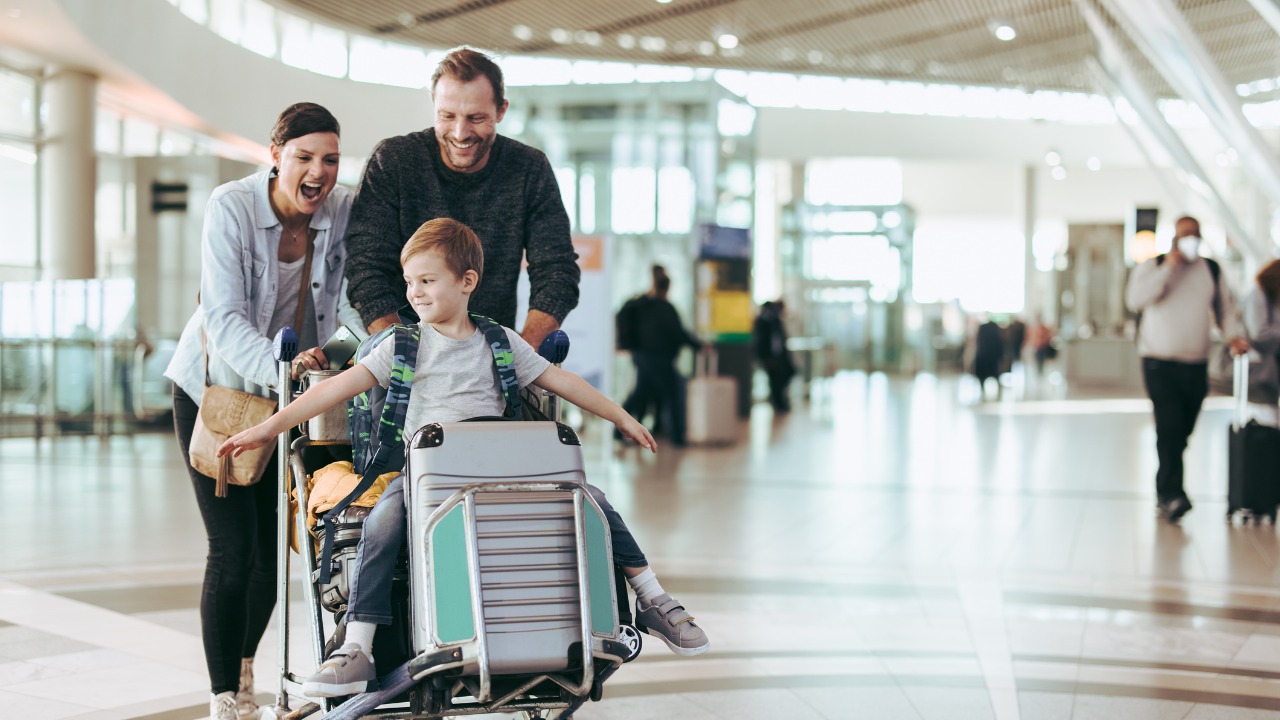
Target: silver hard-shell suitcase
{"x": 526, "y": 543}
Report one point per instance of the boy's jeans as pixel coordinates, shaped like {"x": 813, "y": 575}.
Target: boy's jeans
{"x": 384, "y": 535}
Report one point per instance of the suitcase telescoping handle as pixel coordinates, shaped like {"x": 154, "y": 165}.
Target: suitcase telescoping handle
{"x": 1240, "y": 388}
{"x": 705, "y": 365}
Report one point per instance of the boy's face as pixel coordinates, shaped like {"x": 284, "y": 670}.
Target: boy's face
{"x": 434, "y": 291}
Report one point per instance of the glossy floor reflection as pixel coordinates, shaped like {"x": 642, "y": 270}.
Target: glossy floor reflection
{"x": 891, "y": 549}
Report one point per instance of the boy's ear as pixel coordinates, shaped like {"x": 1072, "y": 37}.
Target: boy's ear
{"x": 470, "y": 279}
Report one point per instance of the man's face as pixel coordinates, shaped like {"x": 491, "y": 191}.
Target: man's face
{"x": 1186, "y": 228}
{"x": 466, "y": 122}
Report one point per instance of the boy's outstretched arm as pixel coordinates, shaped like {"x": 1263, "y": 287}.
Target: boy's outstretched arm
{"x": 580, "y": 393}
{"x": 317, "y": 399}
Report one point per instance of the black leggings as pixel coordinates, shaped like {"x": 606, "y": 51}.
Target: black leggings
{"x": 240, "y": 570}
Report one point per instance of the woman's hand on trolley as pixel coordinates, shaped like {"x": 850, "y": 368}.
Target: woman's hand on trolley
{"x": 312, "y": 359}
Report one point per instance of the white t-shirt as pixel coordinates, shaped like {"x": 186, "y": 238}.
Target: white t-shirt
{"x": 454, "y": 379}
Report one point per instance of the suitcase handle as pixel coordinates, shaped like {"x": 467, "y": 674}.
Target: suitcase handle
{"x": 1240, "y": 387}
{"x": 705, "y": 366}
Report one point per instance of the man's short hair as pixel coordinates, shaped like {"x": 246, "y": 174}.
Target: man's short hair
{"x": 458, "y": 244}
{"x": 1187, "y": 218}
{"x": 465, "y": 64}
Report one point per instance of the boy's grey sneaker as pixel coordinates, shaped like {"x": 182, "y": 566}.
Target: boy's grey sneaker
{"x": 666, "y": 618}
{"x": 349, "y": 670}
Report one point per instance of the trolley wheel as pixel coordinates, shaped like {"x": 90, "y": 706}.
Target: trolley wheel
{"x": 630, "y": 637}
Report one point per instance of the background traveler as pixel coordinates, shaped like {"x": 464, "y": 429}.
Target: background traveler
{"x": 1178, "y": 295}
{"x": 1262, "y": 323}
{"x": 462, "y": 169}
{"x": 1040, "y": 340}
{"x": 769, "y": 336}
{"x": 988, "y": 355}
{"x": 655, "y": 335}
{"x": 256, "y": 234}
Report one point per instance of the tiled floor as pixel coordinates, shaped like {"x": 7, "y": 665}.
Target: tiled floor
{"x": 888, "y": 550}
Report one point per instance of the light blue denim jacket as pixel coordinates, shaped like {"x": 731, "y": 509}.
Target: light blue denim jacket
{"x": 238, "y": 277}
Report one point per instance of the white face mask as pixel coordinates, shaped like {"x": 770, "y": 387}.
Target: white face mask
{"x": 1189, "y": 247}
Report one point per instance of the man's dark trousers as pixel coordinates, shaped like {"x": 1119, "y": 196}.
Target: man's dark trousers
{"x": 1177, "y": 390}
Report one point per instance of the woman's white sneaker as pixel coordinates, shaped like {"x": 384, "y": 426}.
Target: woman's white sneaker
{"x": 223, "y": 706}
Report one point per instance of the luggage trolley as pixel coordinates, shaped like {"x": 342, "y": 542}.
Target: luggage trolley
{"x": 513, "y": 599}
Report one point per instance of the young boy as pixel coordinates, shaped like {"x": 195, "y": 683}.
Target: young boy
{"x": 453, "y": 381}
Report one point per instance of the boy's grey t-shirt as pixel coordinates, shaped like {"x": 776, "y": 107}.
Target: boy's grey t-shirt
{"x": 454, "y": 379}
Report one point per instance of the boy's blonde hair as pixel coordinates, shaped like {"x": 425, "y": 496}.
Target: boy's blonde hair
{"x": 458, "y": 245}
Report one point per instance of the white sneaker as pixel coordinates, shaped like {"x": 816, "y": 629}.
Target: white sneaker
{"x": 223, "y": 706}
{"x": 246, "y": 706}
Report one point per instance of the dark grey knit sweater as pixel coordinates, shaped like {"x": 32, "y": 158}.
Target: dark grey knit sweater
{"x": 513, "y": 204}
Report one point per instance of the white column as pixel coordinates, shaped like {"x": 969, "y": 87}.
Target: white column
{"x": 1032, "y": 292}
{"x": 68, "y": 176}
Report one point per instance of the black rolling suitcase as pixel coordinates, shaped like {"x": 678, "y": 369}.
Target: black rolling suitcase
{"x": 1253, "y": 454}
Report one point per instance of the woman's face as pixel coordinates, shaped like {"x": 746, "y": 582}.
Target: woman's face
{"x": 308, "y": 171}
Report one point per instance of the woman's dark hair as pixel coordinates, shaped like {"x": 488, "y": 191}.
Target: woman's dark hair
{"x": 1269, "y": 280}
{"x": 301, "y": 119}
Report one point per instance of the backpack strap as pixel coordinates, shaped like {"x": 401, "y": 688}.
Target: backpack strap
{"x": 504, "y": 367}
{"x": 360, "y": 421}
{"x": 1216, "y": 272}
{"x": 388, "y": 455}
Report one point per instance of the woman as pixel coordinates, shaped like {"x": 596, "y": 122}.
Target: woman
{"x": 1262, "y": 323}
{"x": 256, "y": 237}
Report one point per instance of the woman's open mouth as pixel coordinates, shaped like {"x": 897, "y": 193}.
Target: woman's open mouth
{"x": 311, "y": 191}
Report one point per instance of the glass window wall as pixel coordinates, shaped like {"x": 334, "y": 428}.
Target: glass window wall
{"x": 17, "y": 100}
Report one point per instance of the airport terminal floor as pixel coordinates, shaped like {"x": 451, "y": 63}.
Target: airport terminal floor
{"x": 890, "y": 549}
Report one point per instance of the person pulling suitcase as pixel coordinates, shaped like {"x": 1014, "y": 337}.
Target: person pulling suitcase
{"x": 1253, "y": 457}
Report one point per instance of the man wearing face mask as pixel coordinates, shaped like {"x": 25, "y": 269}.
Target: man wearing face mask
{"x": 1177, "y": 296}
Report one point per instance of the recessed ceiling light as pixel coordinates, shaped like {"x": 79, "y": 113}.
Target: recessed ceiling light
{"x": 522, "y": 32}
{"x": 1093, "y": 163}
{"x": 653, "y": 43}
{"x": 1005, "y": 32}
{"x": 706, "y": 47}
{"x": 1053, "y": 158}
{"x": 727, "y": 41}
{"x": 1058, "y": 173}
{"x": 664, "y": 2}
{"x": 626, "y": 41}
{"x": 562, "y": 36}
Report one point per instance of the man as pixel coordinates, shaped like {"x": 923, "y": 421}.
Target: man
{"x": 462, "y": 169}
{"x": 1177, "y": 295}
{"x": 657, "y": 335}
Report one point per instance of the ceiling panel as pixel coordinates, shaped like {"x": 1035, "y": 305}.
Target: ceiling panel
{"x": 949, "y": 41}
